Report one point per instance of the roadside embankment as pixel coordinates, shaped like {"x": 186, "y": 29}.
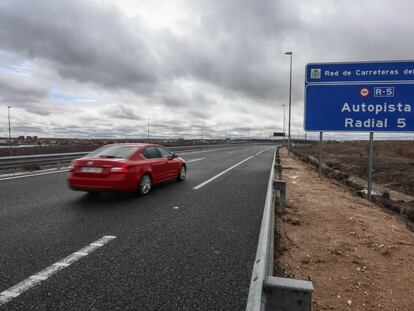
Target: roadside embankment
{"x": 359, "y": 255}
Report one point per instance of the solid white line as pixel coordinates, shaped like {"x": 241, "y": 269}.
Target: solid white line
{"x": 222, "y": 173}
{"x": 34, "y": 174}
{"x": 19, "y": 288}
{"x": 195, "y": 160}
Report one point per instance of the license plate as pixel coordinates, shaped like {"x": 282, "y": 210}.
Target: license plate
{"x": 91, "y": 169}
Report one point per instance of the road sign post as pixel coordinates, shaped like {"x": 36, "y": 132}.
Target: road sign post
{"x": 320, "y": 154}
{"x": 370, "y": 155}
{"x": 360, "y": 97}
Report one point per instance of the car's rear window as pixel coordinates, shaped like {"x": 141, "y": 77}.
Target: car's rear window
{"x": 121, "y": 152}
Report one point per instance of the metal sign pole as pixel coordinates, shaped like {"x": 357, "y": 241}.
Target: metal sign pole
{"x": 320, "y": 154}
{"x": 371, "y": 138}
{"x": 290, "y": 98}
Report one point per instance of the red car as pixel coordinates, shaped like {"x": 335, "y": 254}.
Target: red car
{"x": 126, "y": 168}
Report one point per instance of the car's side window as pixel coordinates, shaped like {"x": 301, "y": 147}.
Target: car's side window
{"x": 151, "y": 153}
{"x": 164, "y": 152}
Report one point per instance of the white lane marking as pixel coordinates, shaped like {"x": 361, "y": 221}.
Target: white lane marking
{"x": 82, "y": 253}
{"x": 232, "y": 152}
{"x": 32, "y": 175}
{"x": 222, "y": 173}
{"x": 175, "y": 207}
{"x": 195, "y": 160}
{"x": 210, "y": 150}
{"x": 261, "y": 152}
{"x": 38, "y": 277}
{"x": 19, "y": 288}
{"x": 9, "y": 294}
{"x": 225, "y": 171}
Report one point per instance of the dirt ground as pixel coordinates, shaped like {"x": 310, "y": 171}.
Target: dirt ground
{"x": 393, "y": 162}
{"x": 358, "y": 255}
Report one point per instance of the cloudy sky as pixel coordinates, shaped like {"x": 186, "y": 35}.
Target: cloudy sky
{"x": 100, "y": 68}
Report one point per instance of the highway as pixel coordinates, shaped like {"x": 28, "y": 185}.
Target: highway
{"x": 185, "y": 246}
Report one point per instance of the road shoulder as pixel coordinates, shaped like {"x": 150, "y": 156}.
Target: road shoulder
{"x": 358, "y": 255}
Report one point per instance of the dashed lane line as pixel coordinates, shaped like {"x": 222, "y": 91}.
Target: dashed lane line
{"x": 195, "y": 160}
{"x": 16, "y": 290}
{"x": 227, "y": 170}
{"x": 257, "y": 153}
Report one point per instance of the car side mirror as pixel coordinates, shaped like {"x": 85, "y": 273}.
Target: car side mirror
{"x": 173, "y": 155}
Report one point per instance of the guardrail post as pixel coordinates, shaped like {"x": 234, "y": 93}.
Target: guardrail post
{"x": 284, "y": 294}
{"x": 280, "y": 186}
{"x": 278, "y": 169}
{"x": 277, "y": 160}
{"x": 59, "y": 163}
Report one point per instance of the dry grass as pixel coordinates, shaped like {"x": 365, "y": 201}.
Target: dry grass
{"x": 393, "y": 163}
{"x": 410, "y": 213}
{"x": 405, "y": 151}
{"x": 31, "y": 167}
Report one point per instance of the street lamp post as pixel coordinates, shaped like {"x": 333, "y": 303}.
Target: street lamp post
{"x": 148, "y": 129}
{"x": 10, "y": 140}
{"x": 290, "y": 97}
{"x": 284, "y": 120}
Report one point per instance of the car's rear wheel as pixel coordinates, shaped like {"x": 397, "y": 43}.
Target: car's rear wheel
{"x": 145, "y": 184}
{"x": 182, "y": 174}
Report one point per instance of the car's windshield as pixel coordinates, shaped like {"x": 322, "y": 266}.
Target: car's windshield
{"x": 121, "y": 152}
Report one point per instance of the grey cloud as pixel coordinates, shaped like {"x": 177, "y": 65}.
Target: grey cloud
{"x": 83, "y": 40}
{"x": 121, "y": 111}
{"x": 230, "y": 50}
{"x": 236, "y": 46}
{"x": 21, "y": 92}
{"x": 198, "y": 114}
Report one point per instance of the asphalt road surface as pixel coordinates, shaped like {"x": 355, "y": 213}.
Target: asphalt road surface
{"x": 178, "y": 248}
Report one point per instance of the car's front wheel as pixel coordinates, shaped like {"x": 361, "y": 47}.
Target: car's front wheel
{"x": 145, "y": 184}
{"x": 182, "y": 174}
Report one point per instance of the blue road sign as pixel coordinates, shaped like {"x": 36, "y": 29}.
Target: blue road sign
{"x": 360, "y": 97}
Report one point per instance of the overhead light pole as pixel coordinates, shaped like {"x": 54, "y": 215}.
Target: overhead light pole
{"x": 148, "y": 129}
{"x": 290, "y": 97}
{"x": 284, "y": 120}
{"x": 10, "y": 140}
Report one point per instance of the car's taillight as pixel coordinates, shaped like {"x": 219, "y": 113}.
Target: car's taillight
{"x": 119, "y": 169}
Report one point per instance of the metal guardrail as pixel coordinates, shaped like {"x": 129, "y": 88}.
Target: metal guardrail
{"x": 55, "y": 158}
{"x": 61, "y": 158}
{"x": 268, "y": 292}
